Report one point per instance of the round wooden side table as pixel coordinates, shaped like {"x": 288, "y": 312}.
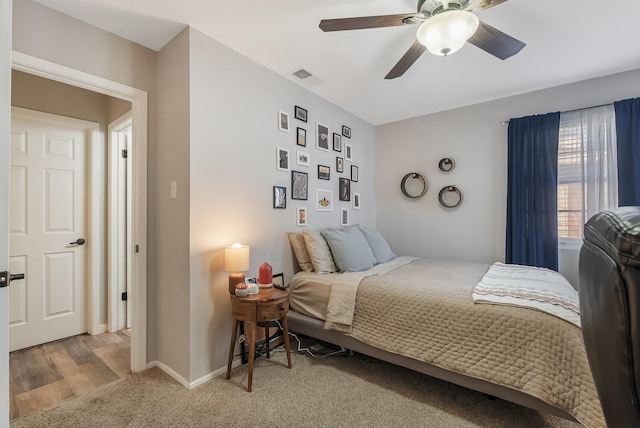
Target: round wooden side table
{"x": 268, "y": 305}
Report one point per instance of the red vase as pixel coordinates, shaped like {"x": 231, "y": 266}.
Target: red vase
{"x": 265, "y": 274}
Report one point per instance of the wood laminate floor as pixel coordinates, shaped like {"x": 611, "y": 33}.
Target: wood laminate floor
{"x": 44, "y": 375}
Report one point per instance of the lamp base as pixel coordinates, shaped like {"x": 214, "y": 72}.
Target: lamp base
{"x": 235, "y": 278}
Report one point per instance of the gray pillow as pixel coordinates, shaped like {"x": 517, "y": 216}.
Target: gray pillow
{"x": 350, "y": 249}
{"x": 378, "y": 245}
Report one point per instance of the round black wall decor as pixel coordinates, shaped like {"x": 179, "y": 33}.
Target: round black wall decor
{"x": 414, "y": 191}
{"x": 450, "y": 197}
{"x": 446, "y": 164}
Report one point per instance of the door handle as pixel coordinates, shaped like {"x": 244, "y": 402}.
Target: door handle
{"x": 6, "y": 278}
{"x": 79, "y": 241}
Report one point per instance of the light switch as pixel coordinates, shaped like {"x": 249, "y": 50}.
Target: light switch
{"x": 174, "y": 189}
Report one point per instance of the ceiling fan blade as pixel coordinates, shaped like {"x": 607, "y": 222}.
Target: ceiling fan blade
{"x": 407, "y": 60}
{"x": 495, "y": 42}
{"x": 363, "y": 22}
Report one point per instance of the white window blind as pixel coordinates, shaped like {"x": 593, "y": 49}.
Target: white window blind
{"x": 587, "y": 171}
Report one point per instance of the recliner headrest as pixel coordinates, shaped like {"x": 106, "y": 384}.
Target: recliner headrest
{"x": 618, "y": 233}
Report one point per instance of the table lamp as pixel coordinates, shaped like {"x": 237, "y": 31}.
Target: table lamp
{"x": 236, "y": 260}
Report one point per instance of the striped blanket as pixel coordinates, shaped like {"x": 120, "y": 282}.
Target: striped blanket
{"x": 530, "y": 287}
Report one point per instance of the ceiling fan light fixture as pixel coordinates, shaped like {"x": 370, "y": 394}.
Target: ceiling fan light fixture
{"x": 446, "y": 32}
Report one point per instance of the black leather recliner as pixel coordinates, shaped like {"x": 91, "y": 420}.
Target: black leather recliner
{"x": 609, "y": 293}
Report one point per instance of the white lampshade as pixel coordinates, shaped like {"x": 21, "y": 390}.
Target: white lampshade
{"x": 236, "y": 258}
{"x": 446, "y": 32}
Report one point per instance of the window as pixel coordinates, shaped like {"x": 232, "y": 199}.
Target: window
{"x": 587, "y": 173}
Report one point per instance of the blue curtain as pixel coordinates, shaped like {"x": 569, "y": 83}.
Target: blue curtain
{"x": 628, "y": 136}
{"x": 532, "y": 188}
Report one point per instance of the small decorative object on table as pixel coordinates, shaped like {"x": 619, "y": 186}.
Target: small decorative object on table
{"x": 265, "y": 275}
{"x": 242, "y": 290}
{"x": 253, "y": 289}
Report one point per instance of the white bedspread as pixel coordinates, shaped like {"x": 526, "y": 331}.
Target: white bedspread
{"x": 530, "y": 287}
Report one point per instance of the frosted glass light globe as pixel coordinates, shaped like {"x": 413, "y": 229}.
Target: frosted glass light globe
{"x": 446, "y": 32}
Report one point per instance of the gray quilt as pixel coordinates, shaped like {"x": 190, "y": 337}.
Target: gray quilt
{"x": 424, "y": 310}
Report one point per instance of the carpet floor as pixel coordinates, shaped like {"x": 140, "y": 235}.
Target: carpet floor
{"x": 337, "y": 391}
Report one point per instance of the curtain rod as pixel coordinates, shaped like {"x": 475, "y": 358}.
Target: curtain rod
{"x": 506, "y": 122}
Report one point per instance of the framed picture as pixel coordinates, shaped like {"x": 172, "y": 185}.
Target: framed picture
{"x": 282, "y": 159}
{"x": 337, "y": 142}
{"x": 299, "y": 185}
{"x": 348, "y": 152}
{"x": 300, "y": 113}
{"x": 339, "y": 164}
{"x": 303, "y": 158}
{"x": 354, "y": 173}
{"x": 283, "y": 121}
{"x": 344, "y": 217}
{"x": 322, "y": 137}
{"x": 346, "y": 131}
{"x": 324, "y": 200}
{"x": 324, "y": 172}
{"x": 356, "y": 201}
{"x": 301, "y": 137}
{"x": 344, "y": 187}
{"x": 301, "y": 216}
{"x": 279, "y": 197}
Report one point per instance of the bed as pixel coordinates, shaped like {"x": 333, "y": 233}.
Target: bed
{"x": 420, "y": 314}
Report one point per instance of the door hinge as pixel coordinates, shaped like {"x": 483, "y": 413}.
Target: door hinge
{"x": 124, "y": 153}
{"x": 137, "y": 248}
{"x": 124, "y": 296}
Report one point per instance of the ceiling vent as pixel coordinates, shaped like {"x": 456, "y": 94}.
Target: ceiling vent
{"x": 302, "y": 74}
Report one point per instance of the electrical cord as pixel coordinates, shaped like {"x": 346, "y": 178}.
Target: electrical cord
{"x": 261, "y": 348}
{"x": 307, "y": 350}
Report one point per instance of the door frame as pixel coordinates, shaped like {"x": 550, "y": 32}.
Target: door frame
{"x": 94, "y": 208}
{"x": 138, "y": 98}
{"x": 114, "y": 242}
{"x": 6, "y": 23}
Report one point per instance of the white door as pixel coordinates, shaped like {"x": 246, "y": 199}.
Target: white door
{"x": 46, "y": 228}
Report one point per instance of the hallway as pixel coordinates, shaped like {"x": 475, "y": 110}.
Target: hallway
{"x": 45, "y": 375}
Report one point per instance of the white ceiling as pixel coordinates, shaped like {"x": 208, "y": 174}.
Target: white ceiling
{"x": 567, "y": 41}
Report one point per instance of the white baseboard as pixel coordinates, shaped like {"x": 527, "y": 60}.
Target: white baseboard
{"x": 99, "y": 329}
{"x": 168, "y": 370}
{"x": 190, "y": 385}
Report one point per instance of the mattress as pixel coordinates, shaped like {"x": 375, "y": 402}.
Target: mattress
{"x": 424, "y": 310}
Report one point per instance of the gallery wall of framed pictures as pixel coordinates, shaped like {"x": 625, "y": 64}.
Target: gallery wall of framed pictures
{"x": 305, "y": 158}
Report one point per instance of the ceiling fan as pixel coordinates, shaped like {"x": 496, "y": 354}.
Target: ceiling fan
{"x": 445, "y": 26}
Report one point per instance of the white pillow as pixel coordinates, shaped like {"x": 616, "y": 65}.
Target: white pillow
{"x": 319, "y": 251}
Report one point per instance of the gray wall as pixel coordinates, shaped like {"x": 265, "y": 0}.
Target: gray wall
{"x": 476, "y": 138}
{"x": 36, "y": 93}
{"x": 172, "y": 215}
{"x": 234, "y": 135}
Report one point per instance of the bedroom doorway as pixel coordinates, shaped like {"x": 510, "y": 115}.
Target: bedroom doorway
{"x": 138, "y": 99}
